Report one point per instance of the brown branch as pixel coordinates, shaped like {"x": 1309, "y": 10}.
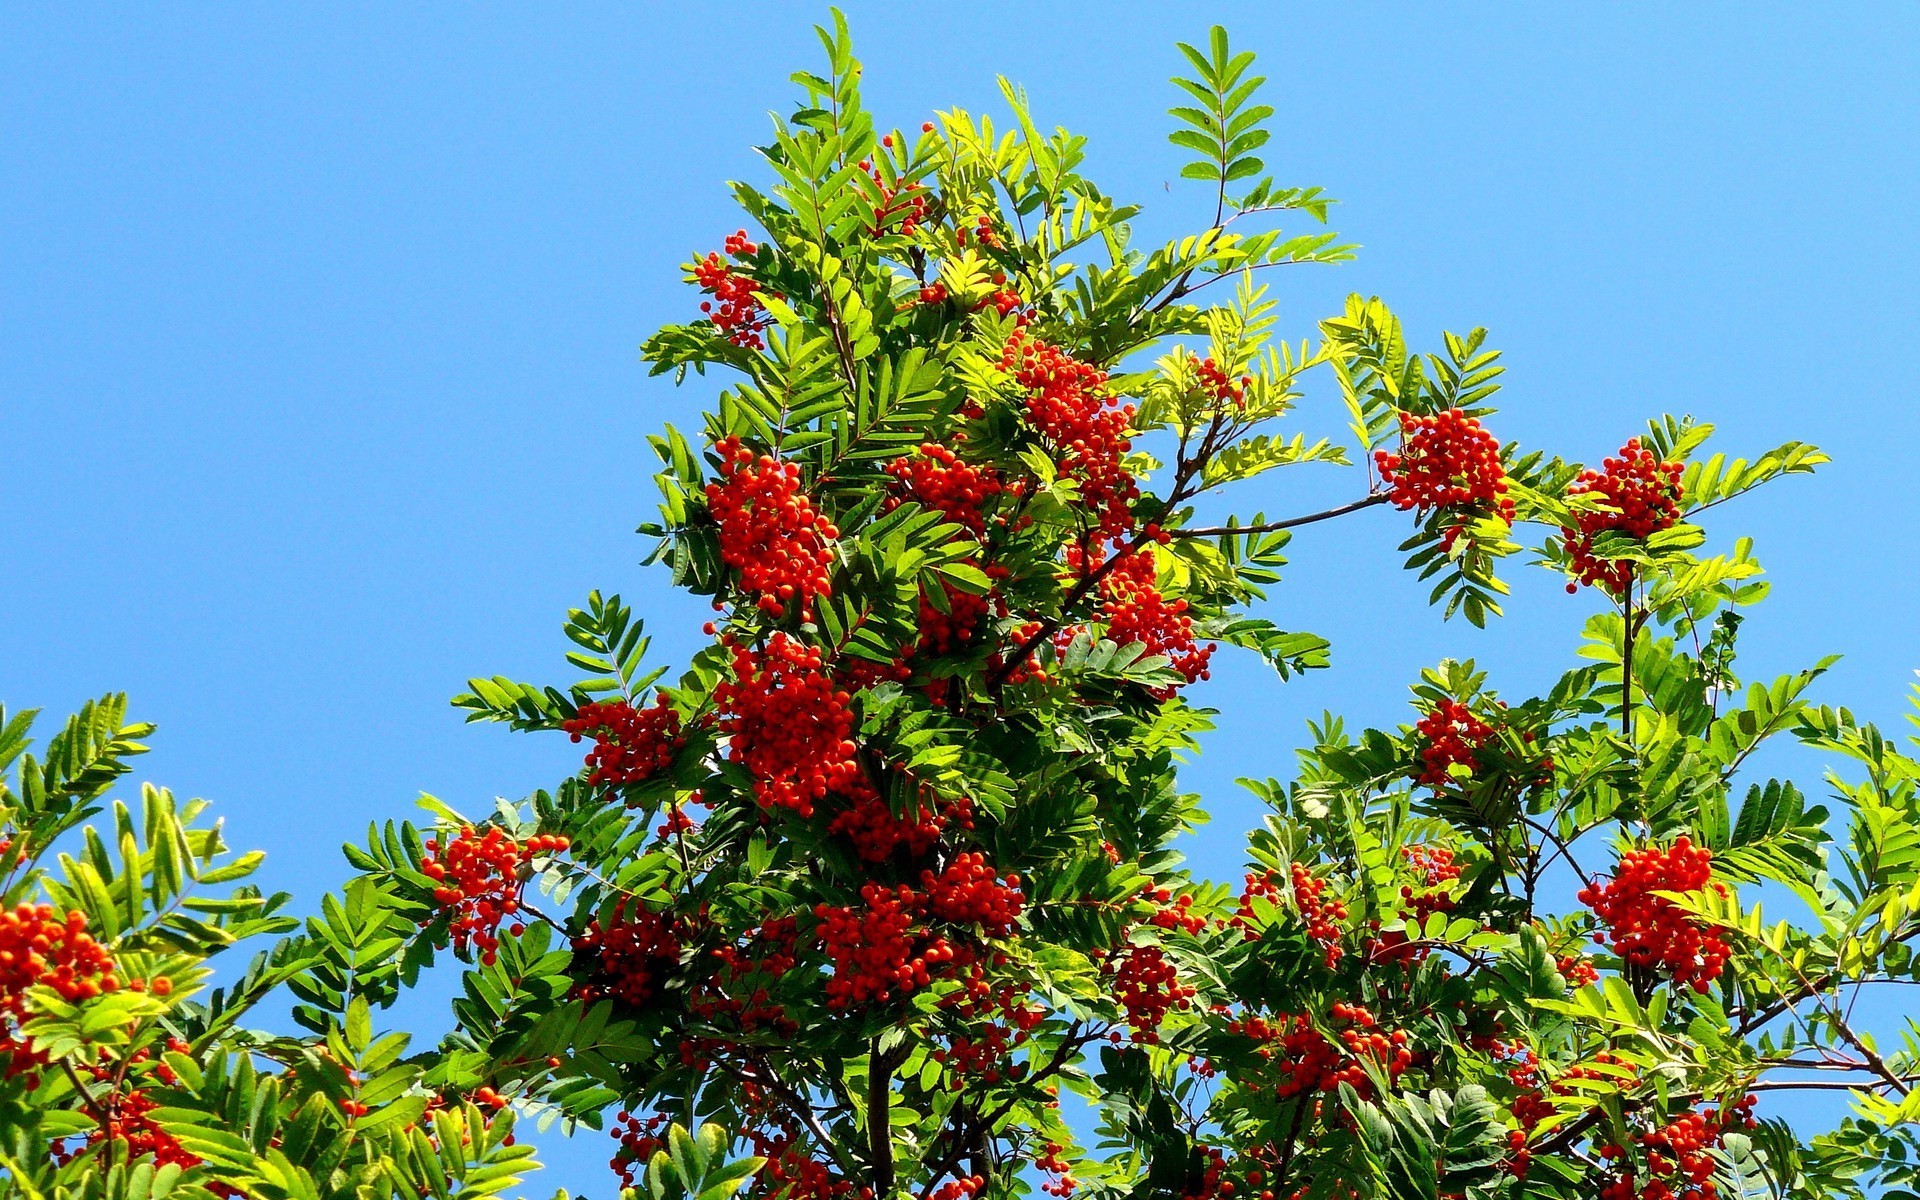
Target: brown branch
{"x": 1290, "y": 523}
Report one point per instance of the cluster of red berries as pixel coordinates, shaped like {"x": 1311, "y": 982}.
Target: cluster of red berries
{"x": 790, "y": 725}
{"x": 39, "y": 945}
{"x": 126, "y": 1117}
{"x": 1446, "y": 461}
{"x": 630, "y": 744}
{"x": 904, "y": 206}
{"x": 1649, "y": 930}
{"x": 1171, "y": 912}
{"x": 1577, "y": 969}
{"x": 478, "y": 879}
{"x": 941, "y": 480}
{"x": 1059, "y": 1183}
{"x": 1146, "y": 984}
{"x": 737, "y": 990}
{"x": 880, "y": 950}
{"x": 944, "y": 632}
{"x": 1136, "y": 613}
{"x": 1223, "y": 389}
{"x": 1069, "y": 406}
{"x": 1451, "y": 733}
{"x": 640, "y": 1139}
{"x": 997, "y": 1019}
{"x": 1434, "y": 868}
{"x": 734, "y": 310}
{"x": 792, "y": 1174}
{"x": 1321, "y": 915}
{"x": 981, "y": 232}
{"x": 1642, "y": 497}
{"x": 629, "y": 956}
{"x": 971, "y": 892}
{"x": 1305, "y": 1060}
{"x": 960, "y": 1189}
{"x": 876, "y": 832}
{"x": 1679, "y": 1156}
{"x": 769, "y": 530}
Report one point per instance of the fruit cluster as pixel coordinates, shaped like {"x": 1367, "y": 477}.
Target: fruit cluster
{"x": 628, "y": 956}
{"x": 1679, "y": 1156}
{"x": 1322, "y": 916}
{"x": 1451, "y": 733}
{"x": 1446, "y": 461}
{"x": 879, "y": 949}
{"x": 1306, "y": 1061}
{"x": 1649, "y": 930}
{"x": 630, "y": 744}
{"x": 478, "y": 880}
{"x": 902, "y": 208}
{"x": 1219, "y": 386}
{"x": 41, "y": 946}
{"x": 769, "y": 530}
{"x": 939, "y": 479}
{"x": 1136, "y": 613}
{"x": 876, "y": 832}
{"x": 790, "y": 726}
{"x": 734, "y": 310}
{"x": 1069, "y": 406}
{"x": 1146, "y": 984}
{"x": 971, "y": 892}
{"x": 640, "y": 1139}
{"x": 1641, "y": 495}
{"x": 1433, "y": 867}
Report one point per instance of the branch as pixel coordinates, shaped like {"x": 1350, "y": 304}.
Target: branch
{"x": 1290, "y": 523}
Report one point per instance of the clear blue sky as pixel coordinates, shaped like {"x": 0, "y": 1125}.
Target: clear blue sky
{"x": 319, "y": 388}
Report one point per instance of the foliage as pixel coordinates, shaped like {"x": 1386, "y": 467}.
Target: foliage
{"x": 885, "y": 882}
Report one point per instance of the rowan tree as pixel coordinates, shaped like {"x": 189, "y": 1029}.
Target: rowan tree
{"x": 885, "y": 881}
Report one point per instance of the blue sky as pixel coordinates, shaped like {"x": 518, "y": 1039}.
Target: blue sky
{"x": 319, "y": 388}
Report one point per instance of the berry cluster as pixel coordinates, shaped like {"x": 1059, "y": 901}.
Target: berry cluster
{"x": 769, "y": 530}
{"x": 792, "y": 1174}
{"x": 789, "y": 725}
{"x": 1305, "y": 1060}
{"x": 879, "y": 950}
{"x": 1146, "y": 984}
{"x": 1649, "y": 930}
{"x": 630, "y": 744}
{"x": 1322, "y": 916}
{"x": 1219, "y": 386}
{"x": 1452, "y": 733}
{"x": 971, "y": 892}
{"x": 939, "y": 479}
{"x": 734, "y": 310}
{"x": 1069, "y": 406}
{"x": 1433, "y": 867}
{"x": 125, "y": 1117}
{"x": 1136, "y": 612}
{"x": 628, "y": 957}
{"x": 41, "y": 946}
{"x": 1059, "y": 1183}
{"x": 478, "y": 879}
{"x": 640, "y": 1139}
{"x": 876, "y": 832}
{"x": 1446, "y": 461}
{"x": 1642, "y": 497}
{"x": 904, "y": 206}
{"x": 1679, "y": 1156}
{"x": 737, "y": 990}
